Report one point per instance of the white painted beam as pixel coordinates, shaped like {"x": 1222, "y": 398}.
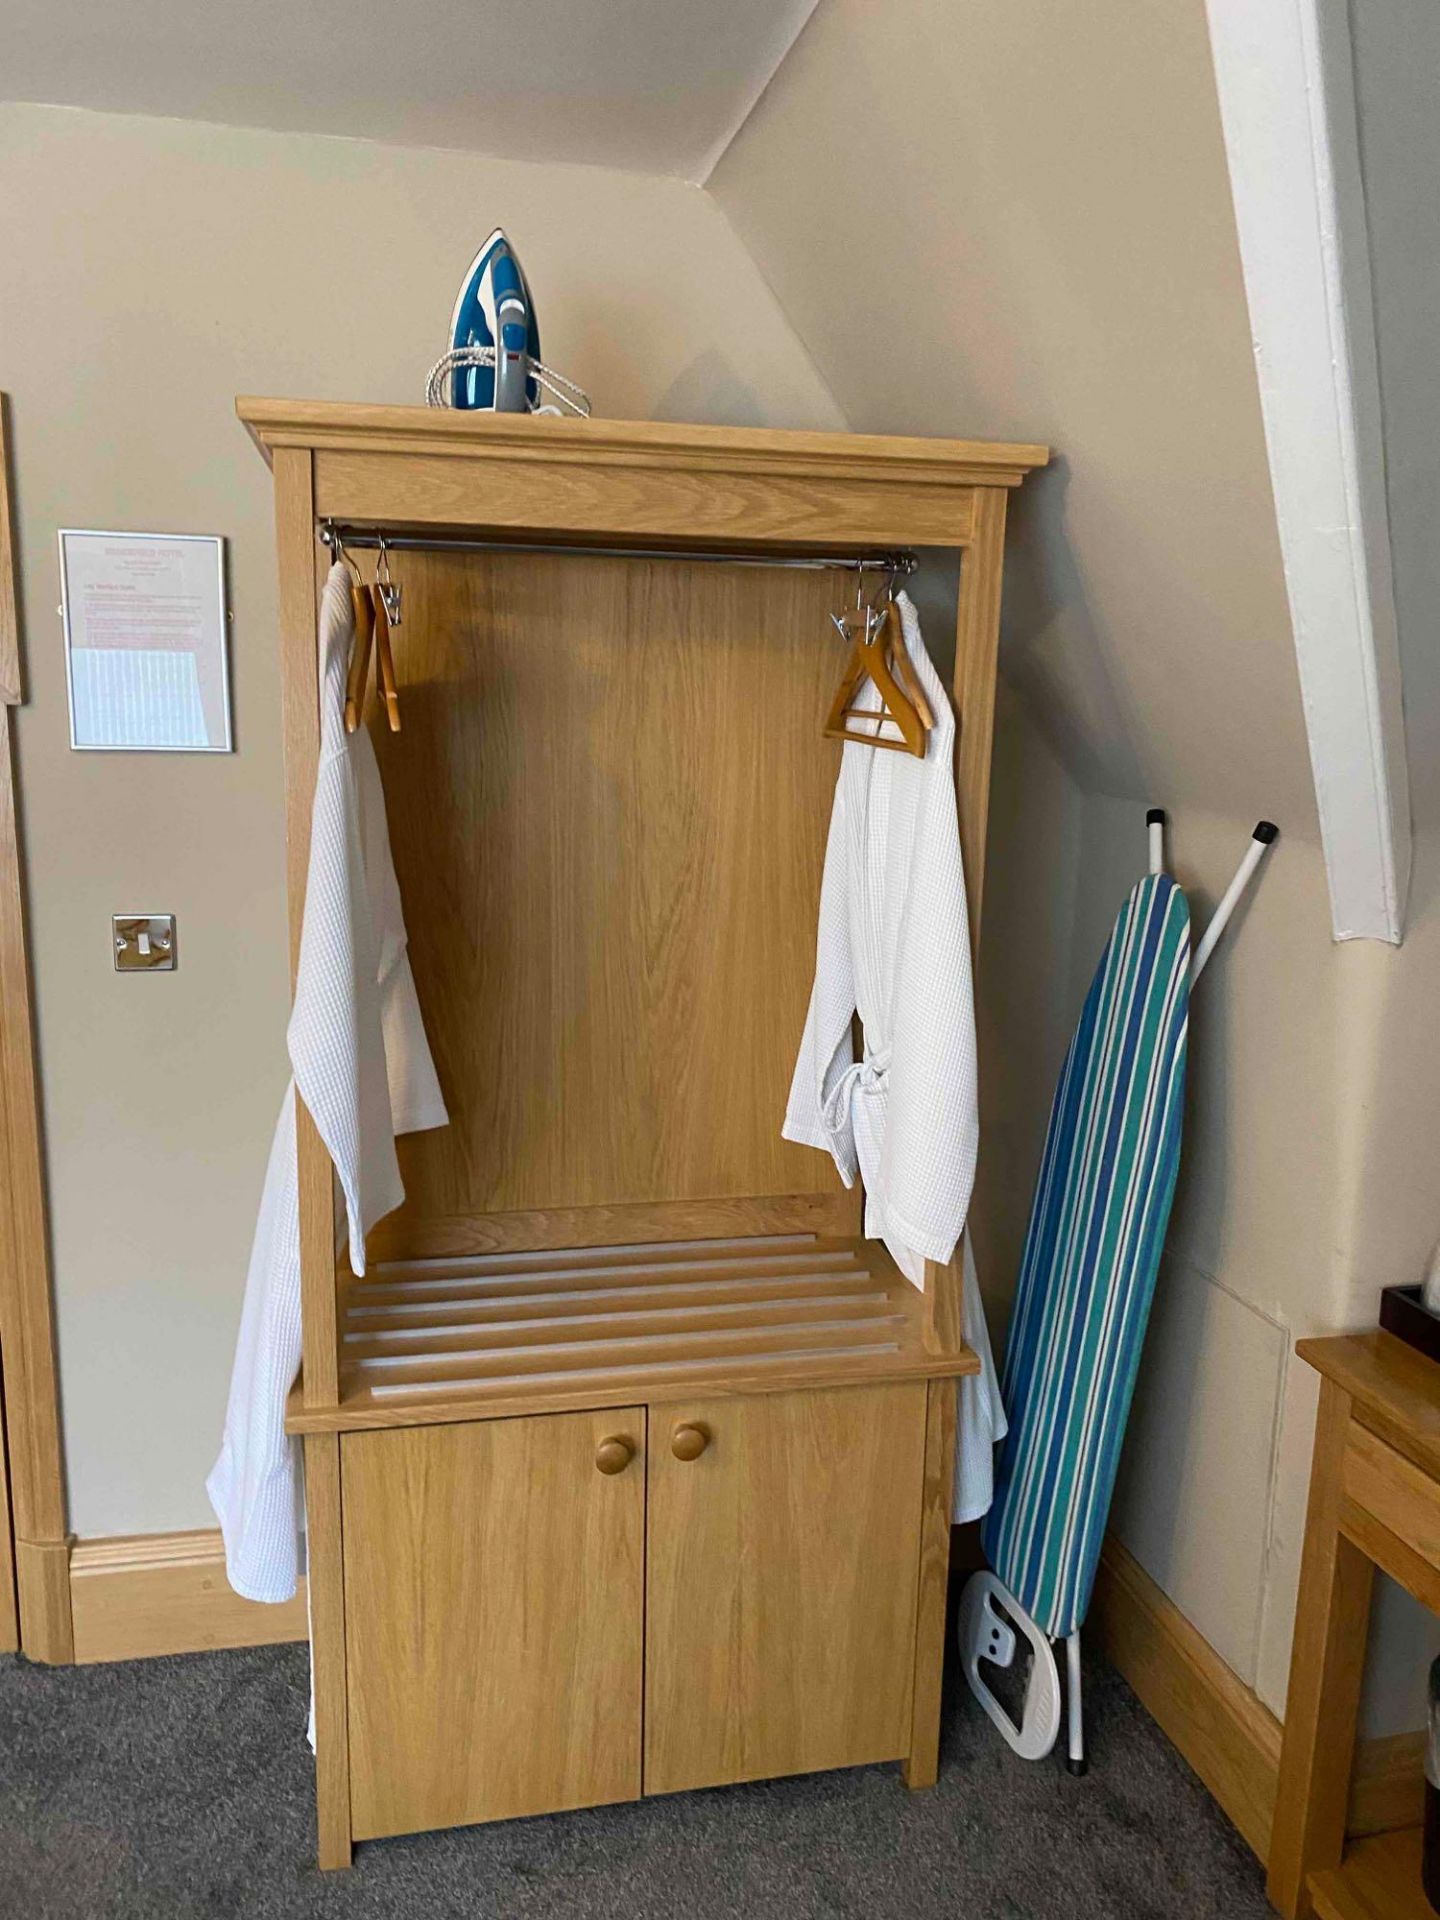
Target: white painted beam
{"x": 1285, "y": 73}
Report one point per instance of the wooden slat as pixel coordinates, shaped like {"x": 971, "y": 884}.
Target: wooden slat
{"x": 440, "y": 1236}
{"x": 500, "y": 1360}
{"x": 672, "y": 1325}
{"x": 388, "y": 1314}
{"x": 659, "y": 1253}
{"x": 451, "y": 1280}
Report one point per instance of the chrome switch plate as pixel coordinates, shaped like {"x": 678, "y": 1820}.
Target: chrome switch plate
{"x": 144, "y": 942}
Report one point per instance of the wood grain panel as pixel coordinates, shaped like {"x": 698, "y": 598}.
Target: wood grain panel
{"x": 1400, "y": 1495}
{"x": 299, "y": 641}
{"x": 324, "y": 1517}
{"x": 661, "y": 445}
{"x": 922, "y": 1764}
{"x": 140, "y": 1595}
{"x": 9, "y": 1603}
{"x": 12, "y": 690}
{"x": 1326, "y": 1666}
{"x": 1224, "y": 1731}
{"x": 781, "y": 1584}
{"x": 1392, "y": 1386}
{"x": 608, "y": 810}
{"x": 638, "y": 503}
{"x": 27, "y": 1335}
{"x": 1380, "y": 1880}
{"x": 404, "y": 1237}
{"x": 494, "y": 1593}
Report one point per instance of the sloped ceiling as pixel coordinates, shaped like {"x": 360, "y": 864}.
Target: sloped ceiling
{"x": 653, "y": 85}
{"x": 1019, "y": 226}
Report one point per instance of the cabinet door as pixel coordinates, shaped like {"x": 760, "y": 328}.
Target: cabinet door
{"x": 493, "y": 1618}
{"x": 781, "y": 1583}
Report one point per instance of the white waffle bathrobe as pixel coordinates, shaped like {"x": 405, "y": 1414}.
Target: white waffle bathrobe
{"x": 894, "y": 945}
{"x": 363, "y": 1068}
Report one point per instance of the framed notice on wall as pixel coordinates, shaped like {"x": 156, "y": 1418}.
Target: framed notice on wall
{"x": 146, "y": 654}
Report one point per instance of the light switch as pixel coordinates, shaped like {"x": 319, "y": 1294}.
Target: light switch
{"x": 144, "y": 942}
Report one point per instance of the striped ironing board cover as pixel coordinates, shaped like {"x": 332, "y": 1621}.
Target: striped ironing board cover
{"x": 1092, "y": 1250}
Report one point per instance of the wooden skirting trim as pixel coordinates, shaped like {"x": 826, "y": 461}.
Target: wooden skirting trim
{"x": 42, "y": 1575}
{"x": 143, "y": 1594}
{"x": 1222, "y": 1729}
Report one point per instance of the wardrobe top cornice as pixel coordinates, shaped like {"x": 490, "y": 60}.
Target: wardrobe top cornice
{"x": 351, "y": 427}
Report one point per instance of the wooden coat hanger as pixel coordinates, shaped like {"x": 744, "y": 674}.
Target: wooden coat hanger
{"x": 872, "y": 634}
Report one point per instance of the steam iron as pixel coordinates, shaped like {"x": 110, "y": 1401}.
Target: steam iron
{"x": 494, "y": 310}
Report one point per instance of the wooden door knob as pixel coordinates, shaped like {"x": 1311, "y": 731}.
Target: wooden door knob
{"x": 689, "y": 1441}
{"x": 614, "y": 1455}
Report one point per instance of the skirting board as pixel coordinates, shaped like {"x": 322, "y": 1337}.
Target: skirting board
{"x": 1221, "y": 1728}
{"x": 146, "y": 1594}
{"x": 151, "y": 1594}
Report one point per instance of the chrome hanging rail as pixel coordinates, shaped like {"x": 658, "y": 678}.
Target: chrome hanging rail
{"x": 898, "y": 564}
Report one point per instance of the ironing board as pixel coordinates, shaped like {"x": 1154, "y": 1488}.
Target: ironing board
{"x": 1092, "y": 1250}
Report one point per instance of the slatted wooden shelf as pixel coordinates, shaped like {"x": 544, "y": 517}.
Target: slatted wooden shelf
{"x": 1378, "y": 1880}
{"x": 440, "y": 1339}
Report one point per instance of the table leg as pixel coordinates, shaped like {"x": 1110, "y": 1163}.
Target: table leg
{"x": 1326, "y": 1666}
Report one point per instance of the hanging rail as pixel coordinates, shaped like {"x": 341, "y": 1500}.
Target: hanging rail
{"x": 899, "y": 563}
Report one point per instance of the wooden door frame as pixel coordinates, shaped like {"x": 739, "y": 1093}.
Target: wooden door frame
{"x": 29, "y": 1403}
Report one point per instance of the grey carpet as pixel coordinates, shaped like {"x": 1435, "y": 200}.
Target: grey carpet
{"x": 180, "y": 1789}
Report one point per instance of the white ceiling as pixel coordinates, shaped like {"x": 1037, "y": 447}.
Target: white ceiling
{"x": 658, "y": 86}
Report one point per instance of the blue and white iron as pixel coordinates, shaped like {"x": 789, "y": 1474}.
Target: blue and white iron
{"x": 493, "y": 364}
{"x": 494, "y": 309}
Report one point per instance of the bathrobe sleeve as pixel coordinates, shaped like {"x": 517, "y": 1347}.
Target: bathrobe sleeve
{"x": 933, "y": 1130}
{"x": 817, "y": 1113}
{"x": 356, "y": 1040}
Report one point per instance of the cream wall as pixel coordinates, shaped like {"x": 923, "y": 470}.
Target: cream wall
{"x": 1039, "y": 207}
{"x": 154, "y": 269}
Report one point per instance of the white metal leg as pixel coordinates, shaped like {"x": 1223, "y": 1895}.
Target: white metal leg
{"x": 1155, "y": 824}
{"x": 1262, "y": 837}
{"x": 1074, "y": 1705}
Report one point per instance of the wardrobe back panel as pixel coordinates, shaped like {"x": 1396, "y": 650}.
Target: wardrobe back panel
{"x": 608, "y": 810}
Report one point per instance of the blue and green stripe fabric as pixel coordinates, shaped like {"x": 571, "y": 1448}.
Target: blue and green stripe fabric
{"x": 1097, "y": 1226}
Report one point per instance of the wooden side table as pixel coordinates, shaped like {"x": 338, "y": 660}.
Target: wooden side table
{"x": 1374, "y": 1502}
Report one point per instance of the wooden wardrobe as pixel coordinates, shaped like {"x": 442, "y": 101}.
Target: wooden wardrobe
{"x": 628, "y": 1465}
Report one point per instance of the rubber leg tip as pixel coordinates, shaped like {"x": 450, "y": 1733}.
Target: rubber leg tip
{"x": 1078, "y": 1767}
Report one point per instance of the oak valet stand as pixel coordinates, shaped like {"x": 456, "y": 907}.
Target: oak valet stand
{"x": 642, "y": 1481}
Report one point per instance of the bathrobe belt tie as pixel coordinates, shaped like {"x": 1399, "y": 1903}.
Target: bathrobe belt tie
{"x": 867, "y": 1077}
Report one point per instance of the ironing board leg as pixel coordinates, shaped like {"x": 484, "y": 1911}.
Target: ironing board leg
{"x": 1074, "y": 1706}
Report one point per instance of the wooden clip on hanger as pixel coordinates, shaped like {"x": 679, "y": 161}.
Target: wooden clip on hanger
{"x": 385, "y": 662}
{"x": 873, "y": 636}
{"x": 364, "y": 610}
{"x": 386, "y": 598}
